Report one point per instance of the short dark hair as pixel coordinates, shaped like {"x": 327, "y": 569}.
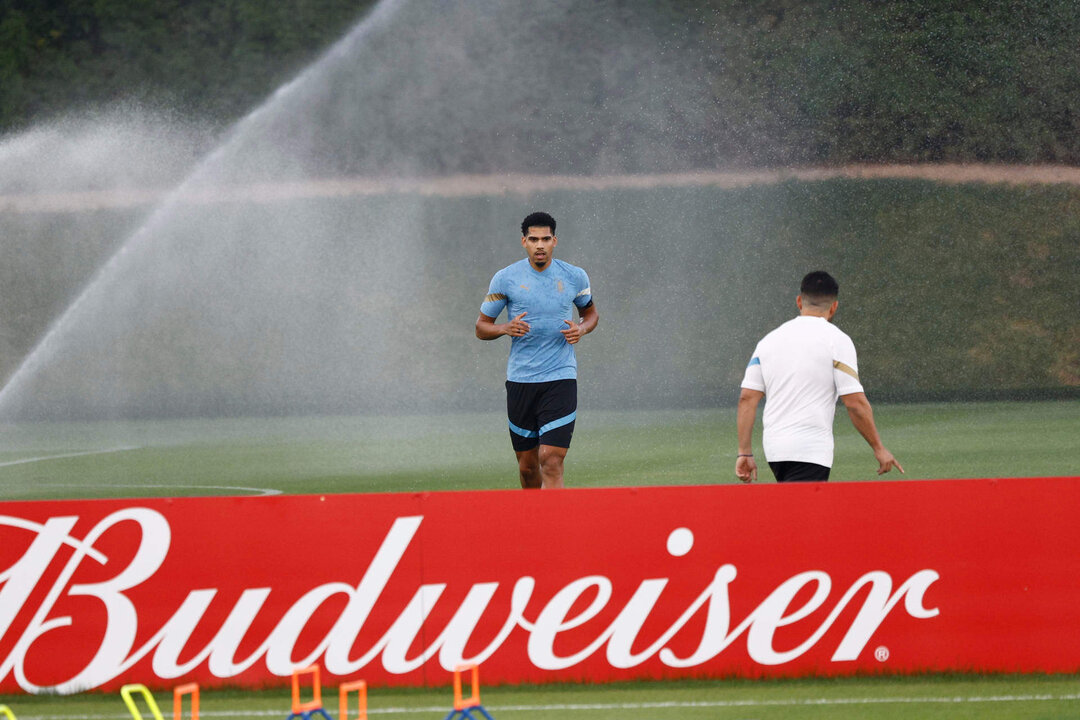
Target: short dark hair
{"x": 537, "y": 219}
{"x": 819, "y": 287}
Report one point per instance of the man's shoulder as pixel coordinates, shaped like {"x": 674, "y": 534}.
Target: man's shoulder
{"x": 804, "y": 329}
{"x": 796, "y": 330}
{"x": 510, "y": 270}
{"x": 837, "y": 333}
{"x": 569, "y": 269}
{"x": 780, "y": 330}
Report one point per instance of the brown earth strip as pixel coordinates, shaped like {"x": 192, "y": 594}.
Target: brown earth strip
{"x": 478, "y": 185}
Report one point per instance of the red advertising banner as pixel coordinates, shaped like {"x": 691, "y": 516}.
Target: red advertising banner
{"x": 598, "y": 585}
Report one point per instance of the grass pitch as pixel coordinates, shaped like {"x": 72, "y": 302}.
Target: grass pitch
{"x": 456, "y": 452}
{"x": 472, "y": 452}
{"x": 960, "y": 697}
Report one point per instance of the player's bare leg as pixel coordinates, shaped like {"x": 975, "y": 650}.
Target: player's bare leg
{"x": 529, "y": 468}
{"x": 551, "y": 466}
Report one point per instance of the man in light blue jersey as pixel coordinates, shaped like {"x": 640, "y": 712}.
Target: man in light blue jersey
{"x": 539, "y": 294}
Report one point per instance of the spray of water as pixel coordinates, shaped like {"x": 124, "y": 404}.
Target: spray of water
{"x": 29, "y": 151}
{"x": 365, "y": 304}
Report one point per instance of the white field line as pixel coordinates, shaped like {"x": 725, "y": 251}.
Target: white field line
{"x": 674, "y": 704}
{"x": 520, "y": 184}
{"x": 253, "y": 491}
{"x": 43, "y": 458}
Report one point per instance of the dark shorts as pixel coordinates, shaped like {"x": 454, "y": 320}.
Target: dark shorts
{"x": 799, "y": 472}
{"x": 541, "y": 413}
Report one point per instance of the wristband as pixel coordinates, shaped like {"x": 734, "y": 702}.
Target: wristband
{"x": 745, "y": 455}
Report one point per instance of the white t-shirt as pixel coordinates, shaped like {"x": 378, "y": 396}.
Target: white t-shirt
{"x": 803, "y": 366}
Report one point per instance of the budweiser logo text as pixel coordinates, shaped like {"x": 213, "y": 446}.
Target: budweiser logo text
{"x": 122, "y": 639}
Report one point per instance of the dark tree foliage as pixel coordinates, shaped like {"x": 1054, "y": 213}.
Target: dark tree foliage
{"x": 211, "y": 58}
{"x": 794, "y": 81}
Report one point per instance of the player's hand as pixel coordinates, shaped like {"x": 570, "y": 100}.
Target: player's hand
{"x": 746, "y": 469}
{"x": 572, "y": 333}
{"x": 886, "y": 461}
{"x": 516, "y": 327}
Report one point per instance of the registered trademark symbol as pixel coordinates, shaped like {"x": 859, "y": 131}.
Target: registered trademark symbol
{"x": 881, "y": 654}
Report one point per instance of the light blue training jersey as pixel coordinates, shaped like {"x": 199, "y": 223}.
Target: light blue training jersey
{"x": 548, "y": 298}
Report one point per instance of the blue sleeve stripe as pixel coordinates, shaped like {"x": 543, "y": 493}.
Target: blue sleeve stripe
{"x": 522, "y": 431}
{"x": 754, "y": 361}
{"x": 564, "y": 420}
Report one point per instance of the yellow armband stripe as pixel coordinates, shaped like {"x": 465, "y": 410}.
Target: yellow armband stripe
{"x": 845, "y": 369}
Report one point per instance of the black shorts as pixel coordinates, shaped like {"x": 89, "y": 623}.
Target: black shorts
{"x": 541, "y": 413}
{"x": 791, "y": 471}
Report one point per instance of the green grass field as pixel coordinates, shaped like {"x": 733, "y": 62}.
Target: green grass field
{"x": 456, "y": 452}
{"x": 466, "y": 452}
{"x": 983, "y": 698}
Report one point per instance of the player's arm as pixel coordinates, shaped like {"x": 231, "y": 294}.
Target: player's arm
{"x": 487, "y": 329}
{"x": 745, "y": 467}
{"x": 862, "y": 417}
{"x": 585, "y": 325}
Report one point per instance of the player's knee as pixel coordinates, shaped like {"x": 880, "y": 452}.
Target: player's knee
{"x": 531, "y": 478}
{"x": 529, "y": 470}
{"x": 551, "y": 470}
{"x": 551, "y": 463}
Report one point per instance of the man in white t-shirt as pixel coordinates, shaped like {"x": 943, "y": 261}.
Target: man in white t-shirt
{"x": 801, "y": 368}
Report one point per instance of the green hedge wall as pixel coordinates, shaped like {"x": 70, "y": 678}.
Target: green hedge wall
{"x": 786, "y": 81}
{"x": 368, "y": 304}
